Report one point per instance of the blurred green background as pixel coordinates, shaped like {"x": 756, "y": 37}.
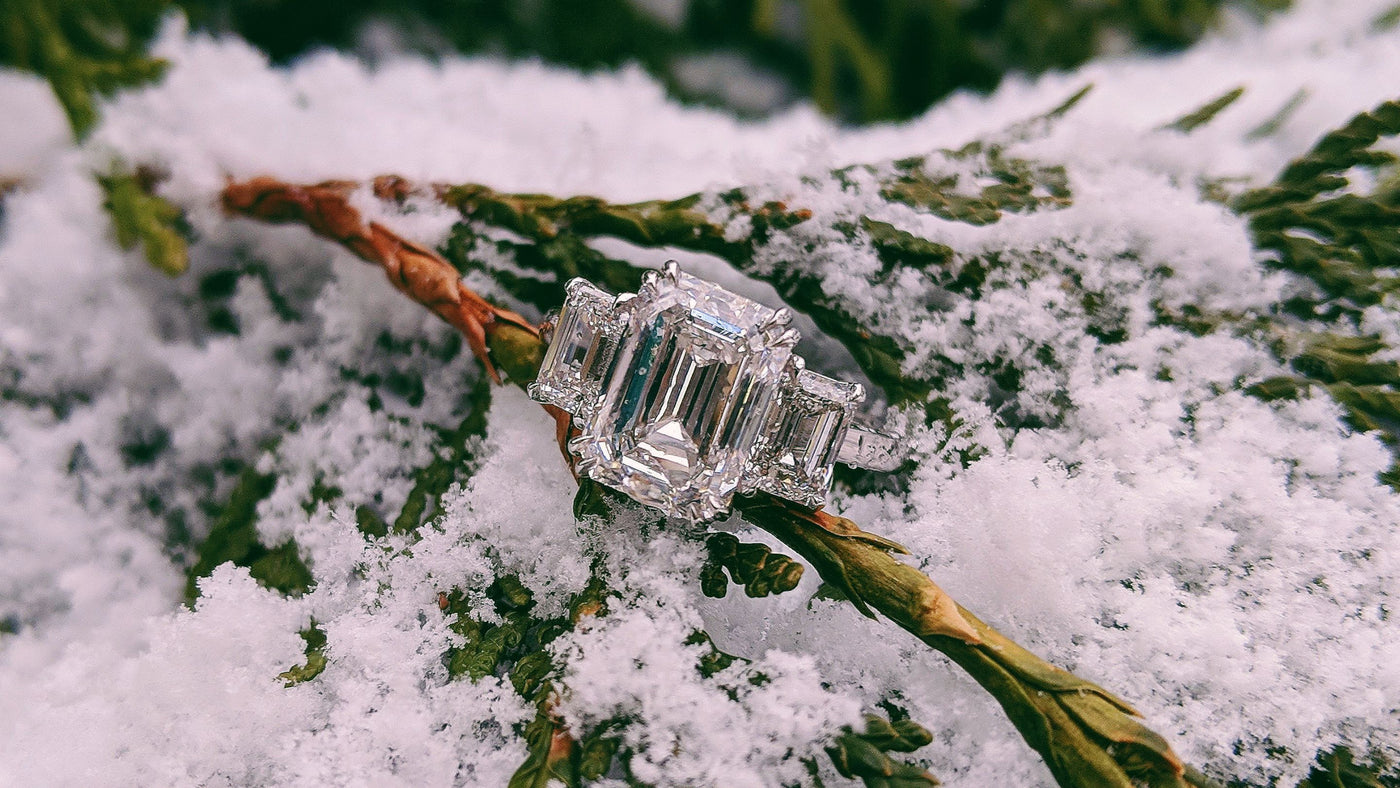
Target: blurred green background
{"x": 857, "y": 60}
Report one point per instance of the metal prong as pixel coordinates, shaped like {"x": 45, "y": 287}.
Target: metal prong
{"x": 576, "y": 284}
{"x": 672, "y": 270}
{"x": 621, "y": 312}
{"x": 547, "y": 326}
{"x": 856, "y": 395}
{"x": 651, "y": 279}
{"x": 778, "y": 335}
{"x": 779, "y": 319}
{"x": 798, "y": 364}
{"x": 695, "y": 511}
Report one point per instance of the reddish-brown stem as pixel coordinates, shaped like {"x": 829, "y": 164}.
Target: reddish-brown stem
{"x": 417, "y": 271}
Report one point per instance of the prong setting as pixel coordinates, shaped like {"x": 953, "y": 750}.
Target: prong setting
{"x": 686, "y": 394}
{"x": 781, "y": 318}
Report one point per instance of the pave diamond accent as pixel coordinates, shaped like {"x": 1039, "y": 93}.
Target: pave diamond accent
{"x": 808, "y": 426}
{"x": 583, "y": 345}
{"x": 688, "y": 394}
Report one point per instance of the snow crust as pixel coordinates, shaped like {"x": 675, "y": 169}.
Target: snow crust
{"x": 1227, "y": 565}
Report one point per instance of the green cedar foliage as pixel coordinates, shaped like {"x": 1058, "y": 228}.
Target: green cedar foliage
{"x": 84, "y": 48}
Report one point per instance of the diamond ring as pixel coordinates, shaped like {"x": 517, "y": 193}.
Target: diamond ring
{"x": 686, "y": 394}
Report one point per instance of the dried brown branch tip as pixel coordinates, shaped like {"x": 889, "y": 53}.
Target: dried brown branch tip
{"x": 417, "y": 271}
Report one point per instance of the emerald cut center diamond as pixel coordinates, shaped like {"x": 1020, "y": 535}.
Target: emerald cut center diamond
{"x": 687, "y": 396}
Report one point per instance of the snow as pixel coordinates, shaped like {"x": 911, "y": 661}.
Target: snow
{"x": 1227, "y": 565}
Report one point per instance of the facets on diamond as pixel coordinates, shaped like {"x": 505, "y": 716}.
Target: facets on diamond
{"x": 799, "y": 450}
{"x": 687, "y": 397}
{"x": 584, "y": 341}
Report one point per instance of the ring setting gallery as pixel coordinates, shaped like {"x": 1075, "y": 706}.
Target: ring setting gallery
{"x": 686, "y": 394}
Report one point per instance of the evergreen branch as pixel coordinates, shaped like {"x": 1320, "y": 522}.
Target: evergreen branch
{"x": 833, "y": 38}
{"x": 865, "y": 756}
{"x": 434, "y": 479}
{"x": 1338, "y": 768}
{"x": 554, "y": 227}
{"x": 1019, "y": 186}
{"x": 1344, "y": 241}
{"x": 517, "y": 647}
{"x": 755, "y": 567}
{"x": 551, "y": 752}
{"x": 141, "y": 217}
{"x": 83, "y": 49}
{"x": 1038, "y": 125}
{"x": 1386, "y": 19}
{"x": 1205, "y": 113}
{"x": 1087, "y": 737}
{"x": 1271, "y": 125}
{"x": 861, "y": 565}
{"x": 9, "y": 183}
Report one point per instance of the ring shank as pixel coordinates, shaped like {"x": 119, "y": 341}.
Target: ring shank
{"x": 872, "y": 450}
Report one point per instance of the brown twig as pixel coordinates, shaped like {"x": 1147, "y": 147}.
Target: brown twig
{"x": 417, "y": 271}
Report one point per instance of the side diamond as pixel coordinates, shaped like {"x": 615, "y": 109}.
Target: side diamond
{"x": 584, "y": 342}
{"x": 803, "y": 437}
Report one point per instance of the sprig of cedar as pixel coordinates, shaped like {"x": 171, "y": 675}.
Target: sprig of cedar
{"x": 1086, "y": 735}
{"x": 1316, "y": 221}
